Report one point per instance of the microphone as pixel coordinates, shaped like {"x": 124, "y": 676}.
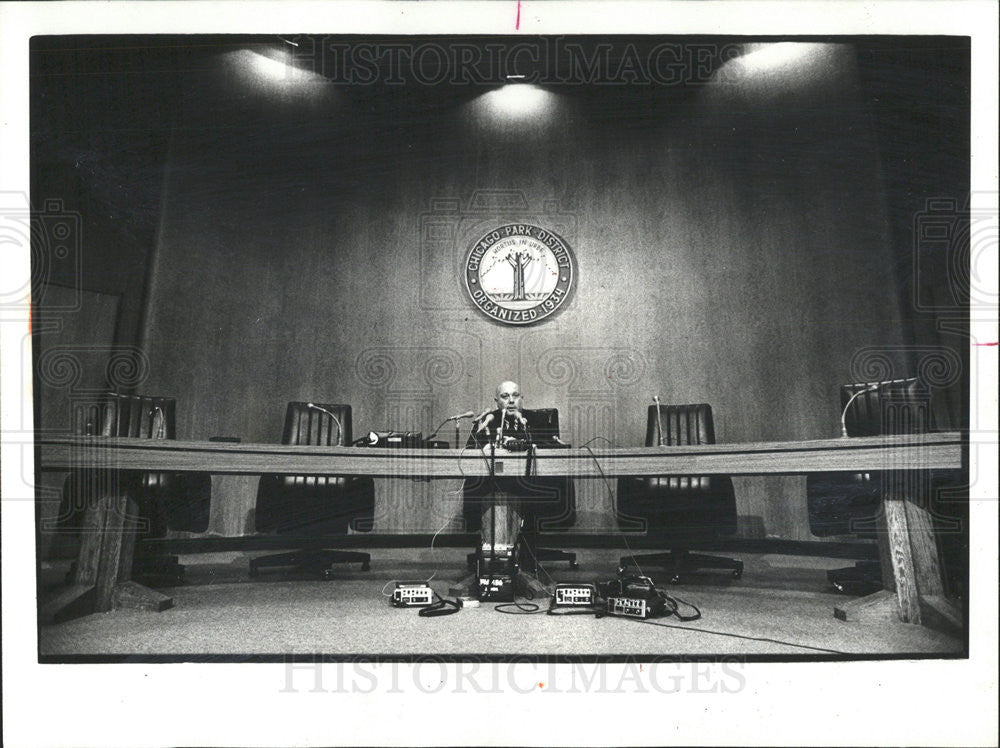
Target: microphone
{"x": 659, "y": 418}
{"x": 459, "y": 417}
{"x": 484, "y": 422}
{"x": 340, "y": 428}
{"x": 484, "y": 419}
{"x": 843, "y": 415}
{"x": 158, "y": 428}
{"x": 515, "y": 417}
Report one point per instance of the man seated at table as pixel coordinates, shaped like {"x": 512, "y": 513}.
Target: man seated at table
{"x": 510, "y": 427}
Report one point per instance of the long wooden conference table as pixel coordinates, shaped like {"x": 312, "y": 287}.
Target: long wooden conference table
{"x": 912, "y": 575}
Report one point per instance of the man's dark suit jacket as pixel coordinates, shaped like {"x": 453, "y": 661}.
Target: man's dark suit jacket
{"x": 529, "y": 493}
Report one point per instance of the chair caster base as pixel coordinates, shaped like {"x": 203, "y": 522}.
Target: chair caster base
{"x": 316, "y": 564}
{"x": 679, "y": 564}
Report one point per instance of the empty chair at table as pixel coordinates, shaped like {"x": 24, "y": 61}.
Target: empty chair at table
{"x": 682, "y": 512}
{"x": 165, "y": 500}
{"x": 849, "y": 503}
{"x": 313, "y": 507}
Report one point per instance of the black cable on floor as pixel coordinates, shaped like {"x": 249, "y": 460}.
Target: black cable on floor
{"x": 443, "y": 607}
{"x": 522, "y": 609}
{"x": 738, "y": 636}
{"x": 611, "y": 498}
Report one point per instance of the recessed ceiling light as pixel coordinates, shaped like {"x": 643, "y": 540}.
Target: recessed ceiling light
{"x": 517, "y": 99}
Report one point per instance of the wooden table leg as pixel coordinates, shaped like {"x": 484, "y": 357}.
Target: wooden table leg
{"x": 911, "y": 570}
{"x": 79, "y": 598}
{"x": 126, "y": 593}
{"x": 102, "y": 579}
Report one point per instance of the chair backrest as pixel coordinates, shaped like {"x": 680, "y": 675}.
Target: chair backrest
{"x": 543, "y": 423}
{"x": 680, "y": 425}
{"x": 315, "y": 504}
{"x": 305, "y": 425}
{"x": 898, "y": 406}
{"x": 139, "y": 416}
{"x": 174, "y": 501}
{"x": 681, "y": 508}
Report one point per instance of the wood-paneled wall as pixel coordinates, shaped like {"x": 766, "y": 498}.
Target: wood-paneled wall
{"x": 732, "y": 246}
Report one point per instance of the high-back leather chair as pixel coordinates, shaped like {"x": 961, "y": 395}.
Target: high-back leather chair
{"x": 314, "y": 505}
{"x": 545, "y": 504}
{"x": 684, "y": 511}
{"x": 166, "y": 501}
{"x": 848, "y": 503}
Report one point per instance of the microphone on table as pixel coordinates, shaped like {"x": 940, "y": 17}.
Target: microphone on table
{"x": 515, "y": 417}
{"x": 340, "y": 428}
{"x": 484, "y": 419}
{"x": 458, "y": 417}
{"x": 843, "y": 415}
{"x": 158, "y": 428}
{"x": 659, "y": 418}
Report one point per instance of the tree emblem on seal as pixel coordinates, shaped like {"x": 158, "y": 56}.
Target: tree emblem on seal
{"x": 519, "y": 274}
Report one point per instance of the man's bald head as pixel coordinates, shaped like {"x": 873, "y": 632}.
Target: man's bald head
{"x": 508, "y": 396}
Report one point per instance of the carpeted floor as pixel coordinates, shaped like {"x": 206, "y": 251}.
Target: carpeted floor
{"x": 781, "y": 608}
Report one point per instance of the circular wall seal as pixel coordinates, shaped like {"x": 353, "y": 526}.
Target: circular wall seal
{"x": 519, "y": 274}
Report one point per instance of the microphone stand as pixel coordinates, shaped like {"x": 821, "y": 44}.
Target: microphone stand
{"x": 659, "y": 419}
{"x": 843, "y": 415}
{"x": 340, "y": 428}
{"x": 434, "y": 433}
{"x": 493, "y": 510}
{"x": 158, "y": 430}
{"x": 457, "y": 419}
